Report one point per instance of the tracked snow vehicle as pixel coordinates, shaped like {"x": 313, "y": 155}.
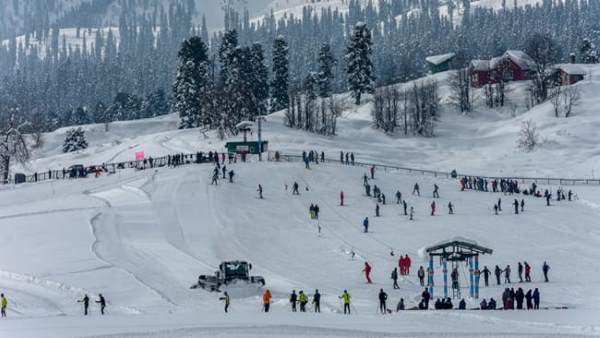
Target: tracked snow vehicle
{"x": 232, "y": 272}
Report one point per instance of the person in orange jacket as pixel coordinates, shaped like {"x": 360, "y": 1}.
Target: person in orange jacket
{"x": 267, "y": 300}
{"x": 367, "y": 271}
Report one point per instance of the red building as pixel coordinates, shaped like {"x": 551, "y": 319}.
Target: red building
{"x": 568, "y": 74}
{"x": 513, "y": 65}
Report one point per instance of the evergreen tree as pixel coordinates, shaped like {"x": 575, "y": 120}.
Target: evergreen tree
{"x": 325, "y": 75}
{"x": 75, "y": 140}
{"x": 227, "y": 50}
{"x": 155, "y": 104}
{"x": 360, "y": 70}
{"x": 280, "y": 81}
{"x": 260, "y": 79}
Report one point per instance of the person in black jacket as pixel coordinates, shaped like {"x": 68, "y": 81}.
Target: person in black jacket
{"x": 486, "y": 275}
{"x": 426, "y": 296}
{"x": 293, "y": 300}
{"x": 536, "y": 299}
{"x": 317, "y": 301}
{"x": 498, "y": 273}
{"x": 519, "y": 297}
{"x": 382, "y": 301}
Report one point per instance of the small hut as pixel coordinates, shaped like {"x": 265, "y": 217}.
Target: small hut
{"x": 440, "y": 63}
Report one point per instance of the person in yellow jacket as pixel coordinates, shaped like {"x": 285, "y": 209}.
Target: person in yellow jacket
{"x": 345, "y": 297}
{"x": 226, "y": 299}
{"x": 3, "y": 305}
{"x": 303, "y": 300}
{"x": 267, "y": 300}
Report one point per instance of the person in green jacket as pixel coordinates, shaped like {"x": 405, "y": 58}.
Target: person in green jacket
{"x": 3, "y": 305}
{"x": 345, "y": 297}
{"x": 303, "y": 300}
{"x": 227, "y": 300}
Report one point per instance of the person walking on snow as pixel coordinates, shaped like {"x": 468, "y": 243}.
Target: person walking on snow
{"x": 345, "y": 297}
{"x": 367, "y": 271}
{"x": 421, "y": 275}
{"x": 226, "y": 300}
{"x": 404, "y": 206}
{"x": 3, "y": 305}
{"x": 407, "y": 263}
{"x": 102, "y": 303}
{"x": 545, "y": 269}
{"x": 395, "y": 278}
{"x": 382, "y": 301}
{"x": 527, "y": 272}
{"x": 231, "y": 174}
{"x": 398, "y": 197}
{"x": 341, "y": 198}
{"x": 372, "y": 169}
{"x": 436, "y": 193}
{"x": 260, "y": 191}
{"x": 516, "y": 204}
{"x": 293, "y": 300}
{"x": 295, "y": 189}
{"x": 366, "y": 224}
{"x": 496, "y": 209}
{"x": 317, "y": 301}
{"x": 450, "y": 208}
{"x": 224, "y": 169}
{"x": 433, "y": 208}
{"x": 486, "y": 275}
{"x": 86, "y": 304}
{"x": 215, "y": 178}
{"x": 416, "y": 190}
{"x": 520, "y": 272}
{"x": 267, "y": 300}
{"x": 498, "y": 273}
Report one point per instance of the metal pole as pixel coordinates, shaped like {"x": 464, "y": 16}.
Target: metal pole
{"x": 477, "y": 276}
{"x": 430, "y": 276}
{"x": 259, "y": 138}
{"x": 471, "y": 278}
{"x": 445, "y": 267}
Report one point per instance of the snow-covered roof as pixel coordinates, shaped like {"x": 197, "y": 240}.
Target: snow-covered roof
{"x": 439, "y": 59}
{"x": 570, "y": 68}
{"x": 480, "y": 65}
{"x": 520, "y": 58}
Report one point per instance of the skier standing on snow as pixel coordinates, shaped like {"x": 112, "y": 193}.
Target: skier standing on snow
{"x": 395, "y": 278}
{"x": 527, "y": 272}
{"x": 498, "y": 273}
{"x": 345, "y": 297}
{"x": 377, "y": 210}
{"x": 366, "y": 224}
{"x": 102, "y": 303}
{"x": 303, "y": 300}
{"x": 486, "y": 275}
{"x": 416, "y": 190}
{"x": 398, "y": 197}
{"x": 226, "y": 300}
{"x": 295, "y": 189}
{"x": 404, "y": 206}
{"x": 86, "y": 304}
{"x": 421, "y": 275}
{"x": 520, "y": 272}
{"x": 293, "y": 300}
{"x": 545, "y": 269}
{"x": 450, "y": 208}
{"x": 433, "y": 208}
{"x": 548, "y": 197}
{"x": 317, "y": 301}
{"x": 367, "y": 271}
{"x": 215, "y": 178}
{"x": 267, "y": 300}
{"x": 341, "y": 198}
{"x": 516, "y": 204}
{"x": 382, "y": 301}
{"x": 260, "y": 191}
{"x": 436, "y": 193}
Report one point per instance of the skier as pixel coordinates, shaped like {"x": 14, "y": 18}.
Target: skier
{"x": 416, "y": 190}
{"x": 224, "y": 169}
{"x": 433, "y": 208}
{"x": 367, "y": 271}
{"x": 345, "y": 297}
{"x": 516, "y": 204}
{"x": 507, "y": 274}
{"x": 536, "y": 299}
{"x": 341, "y": 198}
{"x": 368, "y": 190}
{"x": 450, "y": 208}
{"x": 267, "y": 300}
{"x": 520, "y": 272}
{"x": 412, "y": 212}
{"x": 522, "y": 205}
{"x": 295, "y": 189}
{"x": 231, "y": 173}
{"x": 215, "y": 178}
{"x": 436, "y": 189}
{"x": 548, "y": 197}
{"x": 317, "y": 301}
{"x": 293, "y": 300}
{"x": 383, "y": 198}
{"x": 382, "y": 301}
{"x": 102, "y": 303}
{"x": 352, "y": 158}
{"x": 303, "y": 300}
{"x": 519, "y": 297}
{"x": 398, "y": 197}
{"x": 545, "y": 269}
{"x": 404, "y": 206}
{"x": 377, "y": 210}
{"x": 372, "y": 169}
{"x": 486, "y": 275}
{"x": 395, "y": 278}
{"x": 86, "y": 304}
{"x": 3, "y": 305}
{"x": 366, "y": 224}
{"x": 498, "y": 273}
{"x": 570, "y": 194}
{"x": 260, "y": 191}
{"x": 421, "y": 275}
{"x": 227, "y": 300}
{"x": 527, "y": 272}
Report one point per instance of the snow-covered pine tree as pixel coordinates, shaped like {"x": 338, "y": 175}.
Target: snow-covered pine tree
{"x": 75, "y": 140}
{"x": 360, "y": 70}
{"x": 229, "y": 44}
{"x": 311, "y": 84}
{"x": 192, "y": 85}
{"x": 325, "y": 75}
{"x": 155, "y": 104}
{"x": 260, "y": 79}
{"x": 280, "y": 81}
{"x": 12, "y": 147}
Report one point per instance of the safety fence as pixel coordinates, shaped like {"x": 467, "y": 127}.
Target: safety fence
{"x": 278, "y": 156}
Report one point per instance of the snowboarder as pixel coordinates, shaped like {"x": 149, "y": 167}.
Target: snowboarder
{"x": 260, "y": 191}
{"x": 516, "y": 204}
{"x": 341, "y": 198}
{"x": 102, "y": 303}
{"x": 366, "y": 224}
{"x": 545, "y": 269}
{"x": 367, "y": 271}
{"x": 536, "y": 299}
{"x": 527, "y": 272}
{"x": 382, "y": 301}
{"x": 317, "y": 301}
{"x": 404, "y": 206}
{"x": 520, "y": 272}
{"x": 293, "y": 300}
{"x": 3, "y": 305}
{"x": 86, "y": 304}
{"x": 295, "y": 189}
{"x": 345, "y": 297}
{"x": 398, "y": 197}
{"x": 231, "y": 174}
{"x": 450, "y": 208}
{"x": 433, "y": 208}
{"x": 395, "y": 278}
{"x": 412, "y": 212}
{"x": 486, "y": 275}
{"x": 303, "y": 300}
{"x": 267, "y": 300}
{"x": 421, "y": 275}
{"x": 507, "y": 274}
{"x": 377, "y": 210}
{"x": 436, "y": 193}
{"x": 498, "y": 273}
{"x": 227, "y": 300}
{"x": 416, "y": 190}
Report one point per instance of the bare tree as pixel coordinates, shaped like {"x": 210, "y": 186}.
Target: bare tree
{"x": 12, "y": 148}
{"x": 571, "y": 100}
{"x": 460, "y": 85}
{"x": 564, "y": 100}
{"x": 528, "y": 136}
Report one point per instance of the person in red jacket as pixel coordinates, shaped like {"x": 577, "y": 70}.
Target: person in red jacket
{"x": 402, "y": 264}
{"x": 407, "y": 264}
{"x": 367, "y": 271}
{"x": 433, "y": 208}
{"x": 527, "y": 272}
{"x": 341, "y": 198}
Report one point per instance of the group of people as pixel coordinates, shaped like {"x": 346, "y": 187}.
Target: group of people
{"x": 446, "y": 304}
{"x": 522, "y": 269}
{"x": 215, "y": 175}
{"x": 86, "y": 303}
{"x": 349, "y": 158}
{"x": 313, "y": 211}
{"x": 302, "y": 299}
{"x": 510, "y": 298}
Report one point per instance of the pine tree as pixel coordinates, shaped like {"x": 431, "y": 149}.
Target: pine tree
{"x": 227, "y": 50}
{"x": 325, "y": 75}
{"x": 260, "y": 79}
{"x": 279, "y": 84}
{"x": 360, "y": 70}
{"x": 75, "y": 140}
{"x": 192, "y": 85}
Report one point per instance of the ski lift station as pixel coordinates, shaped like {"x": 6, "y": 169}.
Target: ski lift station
{"x": 245, "y": 146}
